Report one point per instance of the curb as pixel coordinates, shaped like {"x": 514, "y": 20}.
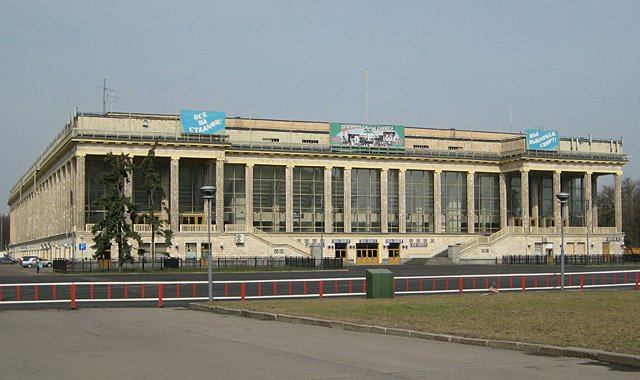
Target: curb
{"x": 538, "y": 349}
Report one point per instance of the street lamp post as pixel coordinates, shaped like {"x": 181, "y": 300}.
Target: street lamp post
{"x": 563, "y": 198}
{"x": 208, "y": 194}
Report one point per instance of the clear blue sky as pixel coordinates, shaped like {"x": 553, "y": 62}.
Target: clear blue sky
{"x": 573, "y": 66}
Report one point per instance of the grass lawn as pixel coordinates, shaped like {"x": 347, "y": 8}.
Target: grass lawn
{"x": 606, "y": 320}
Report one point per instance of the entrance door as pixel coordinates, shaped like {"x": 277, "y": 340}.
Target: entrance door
{"x": 394, "y": 253}
{"x": 605, "y": 248}
{"x": 341, "y": 251}
{"x": 367, "y": 254}
{"x": 372, "y": 255}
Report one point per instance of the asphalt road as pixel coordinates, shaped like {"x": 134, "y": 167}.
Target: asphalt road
{"x": 174, "y": 343}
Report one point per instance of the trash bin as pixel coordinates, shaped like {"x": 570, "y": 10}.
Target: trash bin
{"x": 171, "y": 262}
{"x": 379, "y": 283}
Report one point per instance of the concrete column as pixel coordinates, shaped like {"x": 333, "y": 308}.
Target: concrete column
{"x": 437, "y": 201}
{"x": 328, "y": 201}
{"x": 174, "y": 192}
{"x": 79, "y": 193}
{"x": 535, "y": 201}
{"x": 471, "y": 209}
{"x": 594, "y": 205}
{"x": 618, "y": 201}
{"x": 128, "y": 186}
{"x": 347, "y": 200}
{"x": 384, "y": 201}
{"x": 587, "y": 202}
{"x": 220, "y": 195}
{"x": 249, "y": 195}
{"x": 402, "y": 201}
{"x": 557, "y": 187}
{"x": 503, "y": 199}
{"x": 289, "y": 198}
{"x": 524, "y": 182}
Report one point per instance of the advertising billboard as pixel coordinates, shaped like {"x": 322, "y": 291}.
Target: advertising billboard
{"x": 540, "y": 139}
{"x": 367, "y": 135}
{"x": 202, "y": 122}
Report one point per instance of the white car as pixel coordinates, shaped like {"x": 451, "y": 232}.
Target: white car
{"x": 32, "y": 261}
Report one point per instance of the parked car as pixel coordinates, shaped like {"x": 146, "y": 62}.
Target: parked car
{"x": 31, "y": 261}
{"x": 7, "y": 260}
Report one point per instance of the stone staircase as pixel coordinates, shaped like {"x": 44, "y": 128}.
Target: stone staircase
{"x": 440, "y": 261}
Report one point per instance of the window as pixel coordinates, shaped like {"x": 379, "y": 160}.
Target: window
{"x": 337, "y": 198}
{"x": 365, "y": 200}
{"x": 309, "y": 141}
{"x": 270, "y": 139}
{"x": 269, "y": 198}
{"x": 455, "y": 148}
{"x": 454, "y": 201}
{"x": 308, "y": 199}
{"x": 487, "y": 202}
{"x": 393, "y": 201}
{"x": 234, "y": 194}
{"x": 419, "y": 146}
{"x": 419, "y": 200}
{"x": 191, "y": 179}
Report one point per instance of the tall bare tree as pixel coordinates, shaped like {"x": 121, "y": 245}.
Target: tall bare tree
{"x": 630, "y": 209}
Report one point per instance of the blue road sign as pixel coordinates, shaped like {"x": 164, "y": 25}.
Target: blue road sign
{"x": 83, "y": 246}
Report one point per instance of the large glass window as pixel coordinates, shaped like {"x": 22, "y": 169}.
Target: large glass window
{"x": 337, "y": 198}
{"x": 140, "y": 196}
{"x": 541, "y": 198}
{"x": 576, "y": 203}
{"x": 234, "y": 194}
{"x": 365, "y": 200}
{"x": 419, "y": 200}
{"x": 191, "y": 179}
{"x": 487, "y": 202}
{"x": 308, "y": 199}
{"x": 393, "y": 201}
{"x": 269, "y": 198}
{"x": 514, "y": 199}
{"x": 95, "y": 167}
{"x": 454, "y": 202}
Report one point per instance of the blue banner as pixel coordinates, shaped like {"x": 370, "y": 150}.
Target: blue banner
{"x": 202, "y": 122}
{"x": 540, "y": 139}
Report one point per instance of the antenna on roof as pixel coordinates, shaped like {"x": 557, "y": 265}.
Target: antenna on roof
{"x": 108, "y": 95}
{"x": 366, "y": 94}
{"x": 510, "y": 119}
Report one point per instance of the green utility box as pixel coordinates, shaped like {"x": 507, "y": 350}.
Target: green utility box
{"x": 379, "y": 283}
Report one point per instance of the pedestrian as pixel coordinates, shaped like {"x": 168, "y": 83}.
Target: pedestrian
{"x": 38, "y": 265}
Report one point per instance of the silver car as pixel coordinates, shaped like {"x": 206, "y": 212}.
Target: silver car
{"x": 32, "y": 261}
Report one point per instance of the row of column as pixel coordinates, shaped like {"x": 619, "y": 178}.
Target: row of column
{"x": 46, "y": 208}
{"x": 589, "y": 187}
{"x": 591, "y": 216}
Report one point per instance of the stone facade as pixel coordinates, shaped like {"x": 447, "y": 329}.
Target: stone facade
{"x": 49, "y": 204}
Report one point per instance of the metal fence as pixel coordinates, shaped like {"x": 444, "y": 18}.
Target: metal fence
{"x": 571, "y": 259}
{"x": 175, "y": 263}
{"x": 157, "y": 292}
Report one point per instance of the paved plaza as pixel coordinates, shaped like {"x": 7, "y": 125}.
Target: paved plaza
{"x": 177, "y": 343}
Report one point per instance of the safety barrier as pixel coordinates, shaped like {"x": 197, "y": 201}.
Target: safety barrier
{"x": 571, "y": 259}
{"x": 158, "y": 292}
{"x": 263, "y": 262}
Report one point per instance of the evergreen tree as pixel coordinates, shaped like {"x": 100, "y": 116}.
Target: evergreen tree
{"x": 119, "y": 211}
{"x": 152, "y": 181}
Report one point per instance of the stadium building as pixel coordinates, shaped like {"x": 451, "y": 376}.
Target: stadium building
{"x": 370, "y": 194}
